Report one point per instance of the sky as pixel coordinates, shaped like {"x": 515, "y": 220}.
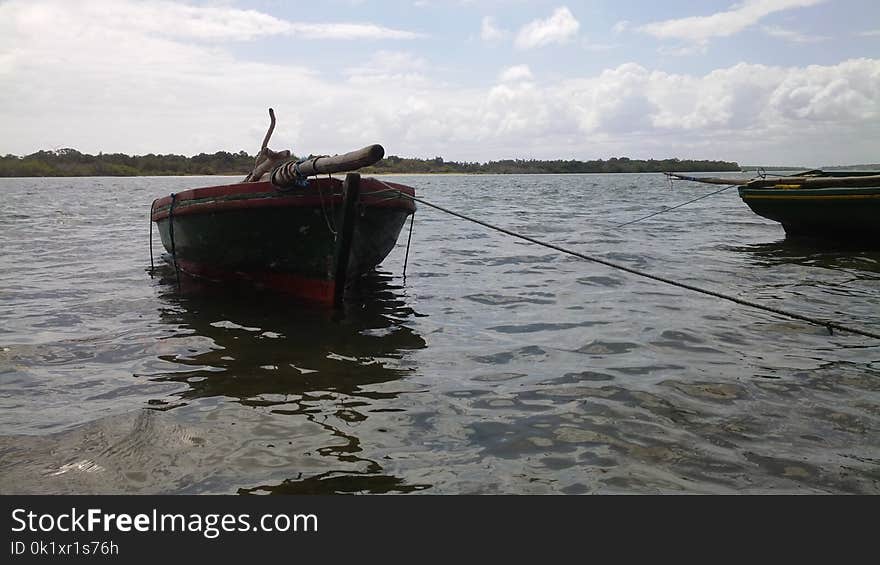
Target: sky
{"x": 772, "y": 82}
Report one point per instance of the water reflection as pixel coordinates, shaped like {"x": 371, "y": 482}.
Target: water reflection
{"x": 327, "y": 483}
{"x": 263, "y": 345}
{"x": 856, "y": 256}
{"x": 298, "y": 363}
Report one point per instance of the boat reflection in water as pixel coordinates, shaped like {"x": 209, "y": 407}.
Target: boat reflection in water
{"x": 860, "y": 259}
{"x": 299, "y": 366}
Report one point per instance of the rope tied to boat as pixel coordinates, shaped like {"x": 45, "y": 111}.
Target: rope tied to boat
{"x": 330, "y": 225}
{"x": 171, "y": 236}
{"x": 664, "y": 210}
{"x": 287, "y": 175}
{"x": 152, "y": 266}
{"x": 408, "y": 242}
{"x": 828, "y": 324}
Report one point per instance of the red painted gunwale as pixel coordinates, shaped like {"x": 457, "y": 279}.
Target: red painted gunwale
{"x": 321, "y": 191}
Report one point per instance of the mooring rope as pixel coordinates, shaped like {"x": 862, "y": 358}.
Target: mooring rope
{"x": 830, "y": 325}
{"x": 324, "y": 210}
{"x": 663, "y": 211}
{"x": 171, "y": 235}
{"x": 408, "y": 242}
{"x": 761, "y": 173}
{"x": 152, "y": 267}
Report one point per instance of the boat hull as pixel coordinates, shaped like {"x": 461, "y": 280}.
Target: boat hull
{"x": 281, "y": 240}
{"x": 839, "y": 213}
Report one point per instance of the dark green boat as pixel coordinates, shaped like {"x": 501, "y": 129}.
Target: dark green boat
{"x": 833, "y": 205}
{"x": 308, "y": 237}
{"x": 286, "y": 241}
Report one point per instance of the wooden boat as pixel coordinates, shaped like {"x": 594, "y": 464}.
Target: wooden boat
{"x": 308, "y": 237}
{"x": 814, "y": 203}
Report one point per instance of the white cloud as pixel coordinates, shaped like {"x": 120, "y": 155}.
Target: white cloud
{"x": 332, "y": 31}
{"x": 97, "y": 87}
{"x": 390, "y": 67}
{"x": 870, "y": 33}
{"x": 558, "y": 28}
{"x": 110, "y": 81}
{"x": 847, "y": 92}
{"x": 516, "y": 73}
{"x": 489, "y": 31}
{"x": 721, "y": 24}
{"x": 683, "y": 50}
{"x": 598, "y": 47}
{"x": 792, "y": 35}
{"x": 745, "y": 112}
{"x": 621, "y": 26}
{"x": 208, "y": 23}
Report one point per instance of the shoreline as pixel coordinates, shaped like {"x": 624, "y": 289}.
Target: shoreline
{"x": 367, "y": 173}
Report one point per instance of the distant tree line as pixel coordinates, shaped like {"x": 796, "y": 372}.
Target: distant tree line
{"x": 72, "y": 163}
{"x": 394, "y": 164}
{"x": 864, "y": 167}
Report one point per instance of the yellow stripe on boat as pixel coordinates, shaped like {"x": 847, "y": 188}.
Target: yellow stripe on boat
{"x": 810, "y": 197}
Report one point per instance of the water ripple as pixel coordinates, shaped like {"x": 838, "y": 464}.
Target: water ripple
{"x": 494, "y": 367}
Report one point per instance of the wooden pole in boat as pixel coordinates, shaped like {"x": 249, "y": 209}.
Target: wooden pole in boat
{"x": 350, "y": 161}
{"x": 287, "y": 174}
{"x": 351, "y": 195}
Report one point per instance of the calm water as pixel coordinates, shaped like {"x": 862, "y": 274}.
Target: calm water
{"x": 495, "y": 367}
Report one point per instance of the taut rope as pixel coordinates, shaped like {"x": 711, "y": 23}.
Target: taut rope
{"x": 830, "y": 325}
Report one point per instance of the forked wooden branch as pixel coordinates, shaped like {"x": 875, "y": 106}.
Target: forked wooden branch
{"x": 266, "y": 159}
